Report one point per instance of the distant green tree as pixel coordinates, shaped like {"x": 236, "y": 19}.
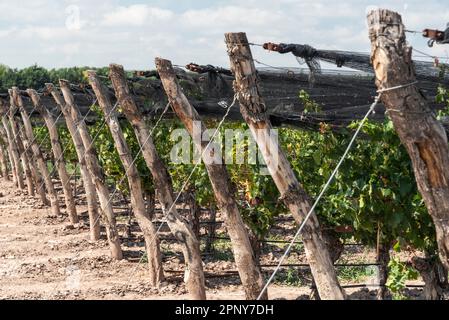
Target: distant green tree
{"x": 35, "y": 77}
{"x": 73, "y": 75}
{"x": 8, "y": 78}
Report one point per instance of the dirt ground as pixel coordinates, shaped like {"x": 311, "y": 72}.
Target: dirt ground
{"x": 42, "y": 257}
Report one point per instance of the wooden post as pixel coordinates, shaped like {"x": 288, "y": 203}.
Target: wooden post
{"x": 25, "y": 152}
{"x": 211, "y": 229}
{"x": 420, "y": 132}
{"x": 39, "y": 158}
{"x": 31, "y": 169}
{"x": 21, "y": 148}
{"x": 13, "y": 153}
{"x": 57, "y": 152}
{"x": 433, "y": 275}
{"x": 253, "y": 110}
{"x": 194, "y": 276}
{"x": 247, "y": 265}
{"x": 91, "y": 193}
{"x": 95, "y": 171}
{"x": 134, "y": 182}
{"x": 383, "y": 259}
{"x": 7, "y": 149}
{"x": 194, "y": 213}
{"x": 4, "y": 155}
{"x": 150, "y": 203}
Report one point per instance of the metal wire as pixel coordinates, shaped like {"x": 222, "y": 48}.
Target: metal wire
{"x": 22, "y": 125}
{"x": 273, "y": 67}
{"x": 65, "y": 149}
{"x": 429, "y": 55}
{"x": 136, "y": 158}
{"x": 111, "y": 197}
{"x": 317, "y": 201}
{"x": 413, "y": 31}
{"x": 327, "y": 185}
{"x": 164, "y": 221}
{"x": 45, "y": 138}
{"x": 96, "y": 135}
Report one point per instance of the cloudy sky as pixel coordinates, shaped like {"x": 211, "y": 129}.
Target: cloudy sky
{"x": 55, "y": 33}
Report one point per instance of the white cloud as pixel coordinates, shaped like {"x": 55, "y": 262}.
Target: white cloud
{"x": 230, "y": 16}
{"x": 135, "y": 15}
{"x": 7, "y": 32}
{"x": 43, "y": 33}
{"x": 36, "y": 32}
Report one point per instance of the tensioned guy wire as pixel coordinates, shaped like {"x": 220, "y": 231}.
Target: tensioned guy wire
{"x": 312, "y": 209}
{"x": 136, "y": 157}
{"x": 197, "y": 164}
{"x": 328, "y": 183}
{"x": 65, "y": 149}
{"x": 125, "y": 175}
{"x": 46, "y": 136}
{"x": 97, "y": 134}
{"x": 34, "y": 109}
{"x": 22, "y": 125}
{"x": 164, "y": 221}
{"x": 93, "y": 140}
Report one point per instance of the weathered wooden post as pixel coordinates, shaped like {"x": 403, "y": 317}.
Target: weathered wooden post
{"x": 31, "y": 167}
{"x": 420, "y": 132}
{"x": 433, "y": 275}
{"x": 247, "y": 265}
{"x": 194, "y": 276}
{"x": 7, "y": 148}
{"x": 134, "y": 181}
{"x": 24, "y": 155}
{"x": 91, "y": 193}
{"x": 194, "y": 213}
{"x": 4, "y": 155}
{"x": 19, "y": 155}
{"x": 253, "y": 109}
{"x": 13, "y": 153}
{"x": 57, "y": 152}
{"x": 39, "y": 158}
{"x": 95, "y": 171}
{"x": 383, "y": 259}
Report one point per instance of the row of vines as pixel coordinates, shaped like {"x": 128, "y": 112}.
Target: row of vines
{"x": 373, "y": 200}
{"x": 374, "y": 194}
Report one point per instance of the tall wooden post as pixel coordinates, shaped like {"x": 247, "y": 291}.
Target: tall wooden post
{"x": 57, "y": 152}
{"x": 91, "y": 193}
{"x": 7, "y": 145}
{"x": 134, "y": 181}
{"x": 194, "y": 277}
{"x": 13, "y": 151}
{"x": 295, "y": 198}
{"x": 4, "y": 154}
{"x": 247, "y": 265}
{"x": 26, "y": 155}
{"x": 423, "y": 136}
{"x": 31, "y": 169}
{"x": 39, "y": 158}
{"x": 383, "y": 259}
{"x": 95, "y": 171}
{"x": 16, "y": 134}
